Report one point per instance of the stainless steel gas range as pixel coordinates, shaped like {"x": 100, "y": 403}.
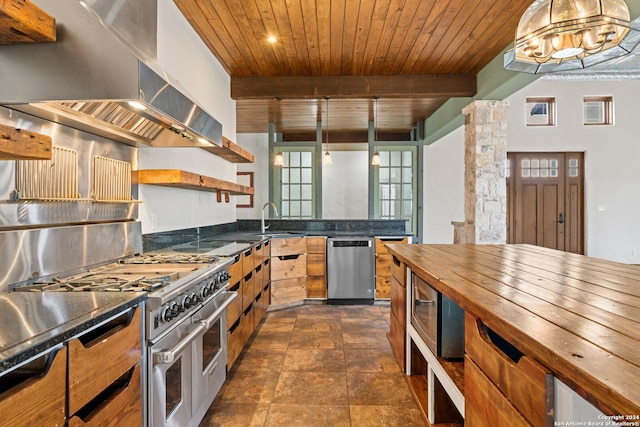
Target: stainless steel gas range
{"x": 185, "y": 325}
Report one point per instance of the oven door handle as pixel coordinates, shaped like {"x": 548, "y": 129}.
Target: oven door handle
{"x": 425, "y": 302}
{"x": 208, "y": 322}
{"x": 169, "y": 356}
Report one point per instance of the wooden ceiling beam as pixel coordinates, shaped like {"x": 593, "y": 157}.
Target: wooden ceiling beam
{"x": 398, "y": 86}
{"x": 346, "y": 136}
{"x": 23, "y": 22}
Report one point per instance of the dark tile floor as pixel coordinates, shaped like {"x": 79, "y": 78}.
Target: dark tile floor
{"x": 317, "y": 365}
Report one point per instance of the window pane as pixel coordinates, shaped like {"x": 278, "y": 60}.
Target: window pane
{"x": 285, "y": 208}
{"x": 384, "y": 192}
{"x": 407, "y": 192}
{"x": 384, "y": 174}
{"x": 307, "y": 158}
{"x": 384, "y": 158}
{"x": 406, "y": 207}
{"x": 295, "y": 209}
{"x": 407, "y": 175}
{"x": 285, "y": 158}
{"x": 384, "y": 208}
{"x": 295, "y": 192}
{"x": 306, "y": 192}
{"x": 295, "y": 158}
{"x": 395, "y": 174}
{"x": 407, "y": 158}
{"x": 285, "y": 192}
{"x": 295, "y": 175}
{"x": 307, "y": 209}
{"x": 395, "y": 158}
{"x": 306, "y": 176}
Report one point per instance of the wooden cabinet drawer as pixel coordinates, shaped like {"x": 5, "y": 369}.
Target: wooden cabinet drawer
{"x": 381, "y": 241}
{"x": 48, "y": 390}
{"x": 399, "y": 302}
{"x": 266, "y": 272}
{"x": 100, "y": 357}
{"x": 235, "y": 270}
{"x": 247, "y": 289}
{"x": 122, "y": 408}
{"x": 247, "y": 261}
{"x": 316, "y": 245}
{"x": 288, "y": 291}
{"x": 524, "y": 382}
{"x": 383, "y": 287}
{"x": 399, "y": 271}
{"x": 234, "y": 310}
{"x": 288, "y": 246}
{"x": 266, "y": 250}
{"x": 484, "y": 404}
{"x": 257, "y": 281}
{"x": 316, "y": 265}
{"x": 257, "y": 255}
{"x": 383, "y": 265}
{"x": 234, "y": 343}
{"x": 316, "y": 287}
{"x": 397, "y": 339}
{"x": 288, "y": 267}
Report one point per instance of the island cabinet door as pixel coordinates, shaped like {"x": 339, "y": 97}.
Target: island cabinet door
{"x": 499, "y": 376}
{"x": 39, "y": 400}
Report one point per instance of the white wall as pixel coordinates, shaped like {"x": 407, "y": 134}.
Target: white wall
{"x": 258, "y": 145}
{"x": 443, "y": 187}
{"x": 187, "y": 61}
{"x": 345, "y": 185}
{"x": 612, "y": 175}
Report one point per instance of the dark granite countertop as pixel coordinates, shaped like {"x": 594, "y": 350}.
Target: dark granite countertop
{"x": 34, "y": 322}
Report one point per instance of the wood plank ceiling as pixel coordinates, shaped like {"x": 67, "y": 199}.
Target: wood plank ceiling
{"x": 397, "y": 50}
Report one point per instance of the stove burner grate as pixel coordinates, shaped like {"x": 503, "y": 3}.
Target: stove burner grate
{"x": 171, "y": 258}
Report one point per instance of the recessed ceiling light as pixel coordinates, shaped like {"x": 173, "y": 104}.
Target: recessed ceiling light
{"x": 272, "y": 39}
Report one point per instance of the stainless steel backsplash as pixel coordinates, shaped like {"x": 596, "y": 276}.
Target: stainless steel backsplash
{"x": 43, "y": 238}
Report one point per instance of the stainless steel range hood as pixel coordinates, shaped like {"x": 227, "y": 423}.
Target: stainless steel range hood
{"x": 90, "y": 79}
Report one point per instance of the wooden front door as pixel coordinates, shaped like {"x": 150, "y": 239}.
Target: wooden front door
{"x": 545, "y": 200}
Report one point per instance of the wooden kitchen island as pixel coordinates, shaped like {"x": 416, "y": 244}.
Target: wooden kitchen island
{"x": 567, "y": 318}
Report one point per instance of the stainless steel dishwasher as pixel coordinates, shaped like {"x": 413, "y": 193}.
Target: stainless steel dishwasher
{"x": 350, "y": 270}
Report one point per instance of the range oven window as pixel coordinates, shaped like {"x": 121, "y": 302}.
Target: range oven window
{"x": 211, "y": 344}
{"x": 173, "y": 392}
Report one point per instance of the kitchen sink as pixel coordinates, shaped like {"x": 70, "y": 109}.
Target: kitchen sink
{"x": 276, "y": 234}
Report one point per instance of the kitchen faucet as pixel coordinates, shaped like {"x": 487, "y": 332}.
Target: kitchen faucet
{"x": 275, "y": 211}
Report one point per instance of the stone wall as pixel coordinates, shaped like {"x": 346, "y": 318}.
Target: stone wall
{"x": 485, "y": 204}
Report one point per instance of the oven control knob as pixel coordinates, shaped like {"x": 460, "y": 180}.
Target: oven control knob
{"x": 224, "y": 276}
{"x": 203, "y": 292}
{"x": 187, "y": 301}
{"x": 195, "y": 298}
{"x": 214, "y": 280}
{"x": 171, "y": 312}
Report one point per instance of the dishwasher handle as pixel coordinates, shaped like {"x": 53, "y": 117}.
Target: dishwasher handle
{"x": 351, "y": 243}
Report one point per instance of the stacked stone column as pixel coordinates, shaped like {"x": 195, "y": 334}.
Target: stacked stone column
{"x": 485, "y": 154}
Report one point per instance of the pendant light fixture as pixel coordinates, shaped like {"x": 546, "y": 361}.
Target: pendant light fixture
{"x": 375, "y": 160}
{"x": 278, "y": 160}
{"x": 327, "y": 157}
{"x": 561, "y": 35}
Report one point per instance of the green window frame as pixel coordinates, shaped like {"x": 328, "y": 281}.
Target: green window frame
{"x": 295, "y": 180}
{"x": 396, "y": 185}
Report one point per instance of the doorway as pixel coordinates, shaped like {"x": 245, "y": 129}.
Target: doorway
{"x": 545, "y": 200}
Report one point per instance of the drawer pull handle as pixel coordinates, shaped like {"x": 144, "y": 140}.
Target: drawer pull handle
{"x": 396, "y": 261}
{"x": 500, "y": 344}
{"x": 288, "y": 257}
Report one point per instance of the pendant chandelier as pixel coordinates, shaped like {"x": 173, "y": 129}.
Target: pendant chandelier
{"x": 278, "y": 160}
{"x": 375, "y": 160}
{"x": 327, "y": 157}
{"x": 561, "y": 35}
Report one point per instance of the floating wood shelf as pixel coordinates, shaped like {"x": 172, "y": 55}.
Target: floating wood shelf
{"x": 18, "y": 144}
{"x": 191, "y": 181}
{"x": 230, "y": 151}
{"x": 23, "y": 22}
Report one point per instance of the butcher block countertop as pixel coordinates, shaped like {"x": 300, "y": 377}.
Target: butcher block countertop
{"x": 578, "y": 316}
